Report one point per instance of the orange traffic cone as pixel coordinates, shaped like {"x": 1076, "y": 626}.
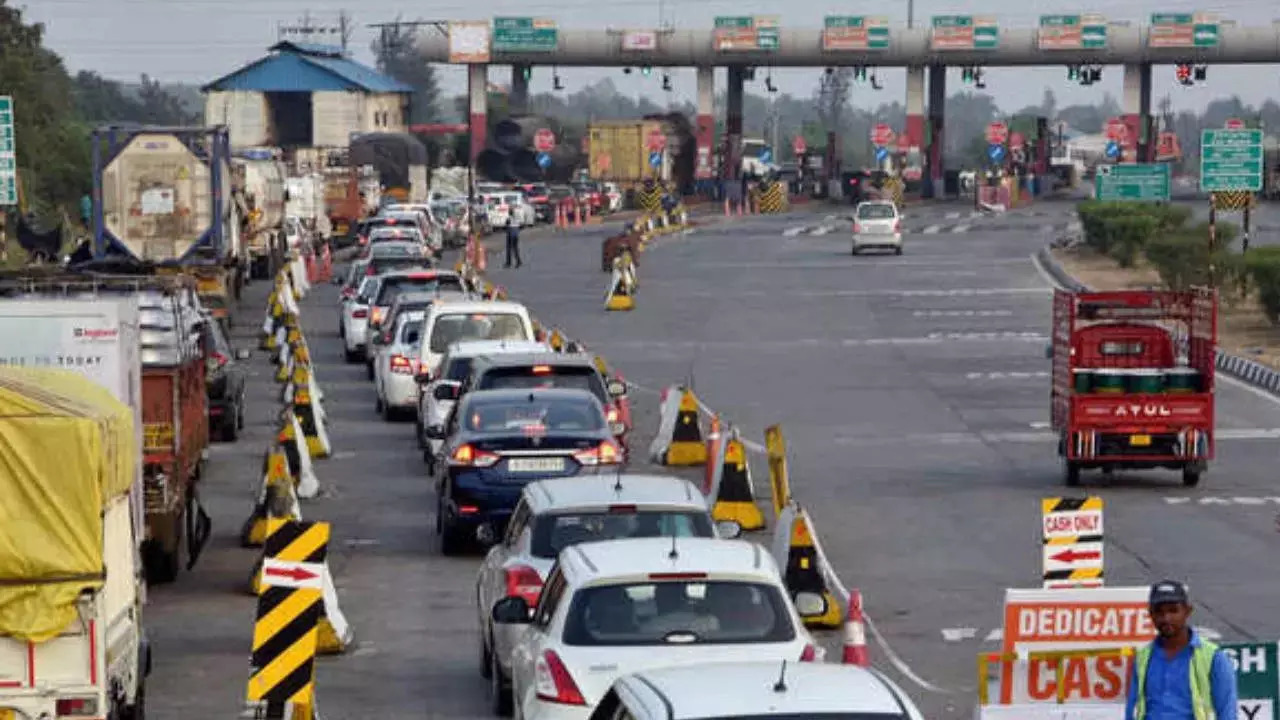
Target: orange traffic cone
{"x": 854, "y": 651}
{"x": 713, "y": 454}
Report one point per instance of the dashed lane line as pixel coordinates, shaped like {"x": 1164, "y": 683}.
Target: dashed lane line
{"x": 961, "y": 228}
{"x": 962, "y": 313}
{"x": 1015, "y": 437}
{"x": 931, "y": 230}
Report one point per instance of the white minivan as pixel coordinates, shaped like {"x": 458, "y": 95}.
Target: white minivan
{"x": 449, "y": 321}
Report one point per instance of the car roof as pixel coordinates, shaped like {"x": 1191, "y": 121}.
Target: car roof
{"x": 476, "y": 348}
{"x": 515, "y": 394}
{"x": 682, "y": 691}
{"x": 384, "y": 249}
{"x": 418, "y": 297}
{"x": 598, "y": 492}
{"x": 634, "y": 559}
{"x": 878, "y": 202}
{"x": 542, "y": 357}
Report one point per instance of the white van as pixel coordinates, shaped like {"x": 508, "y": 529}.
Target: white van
{"x": 449, "y": 321}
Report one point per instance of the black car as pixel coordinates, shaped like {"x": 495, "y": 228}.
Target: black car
{"x": 498, "y": 441}
{"x": 224, "y": 382}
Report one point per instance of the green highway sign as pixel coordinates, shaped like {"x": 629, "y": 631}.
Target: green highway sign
{"x": 1147, "y": 182}
{"x": 525, "y": 34}
{"x": 855, "y": 32}
{"x": 1072, "y": 32}
{"x": 1257, "y": 679}
{"x": 1183, "y": 30}
{"x": 964, "y": 32}
{"x": 8, "y": 158}
{"x": 734, "y": 23}
{"x": 746, "y": 33}
{"x": 1231, "y": 160}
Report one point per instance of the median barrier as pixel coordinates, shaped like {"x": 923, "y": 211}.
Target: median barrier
{"x": 731, "y": 490}
{"x": 622, "y": 290}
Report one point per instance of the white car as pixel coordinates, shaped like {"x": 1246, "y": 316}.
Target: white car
{"x": 556, "y": 513}
{"x": 395, "y": 367}
{"x": 760, "y": 691}
{"x": 441, "y": 391}
{"x": 877, "y": 224}
{"x": 622, "y": 606}
{"x": 497, "y": 210}
{"x": 521, "y": 209}
{"x": 612, "y": 196}
{"x": 450, "y": 321}
{"x": 355, "y": 320}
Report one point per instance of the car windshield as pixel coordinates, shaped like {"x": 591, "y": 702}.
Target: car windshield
{"x": 553, "y": 533}
{"x": 678, "y": 612}
{"x": 385, "y": 265}
{"x": 457, "y": 327}
{"x": 545, "y": 376}
{"x": 396, "y": 250}
{"x": 533, "y": 414}
{"x": 876, "y": 211}
{"x": 401, "y": 234}
{"x": 393, "y": 287}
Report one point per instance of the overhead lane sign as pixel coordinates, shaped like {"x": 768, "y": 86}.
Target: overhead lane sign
{"x": 469, "y": 42}
{"x": 525, "y": 34}
{"x": 1183, "y": 30}
{"x": 1072, "y": 540}
{"x": 855, "y": 32}
{"x": 746, "y": 33}
{"x": 1072, "y": 32}
{"x": 964, "y": 32}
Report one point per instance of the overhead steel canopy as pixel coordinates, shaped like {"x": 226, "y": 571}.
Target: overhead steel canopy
{"x": 803, "y": 48}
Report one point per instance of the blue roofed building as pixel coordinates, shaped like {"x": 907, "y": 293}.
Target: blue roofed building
{"x": 305, "y": 95}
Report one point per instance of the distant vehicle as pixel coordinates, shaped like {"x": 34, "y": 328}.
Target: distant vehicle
{"x": 395, "y": 366}
{"x": 452, "y": 321}
{"x": 877, "y": 224}
{"x": 378, "y": 337}
{"x": 499, "y": 440}
{"x": 761, "y": 691}
{"x": 224, "y": 381}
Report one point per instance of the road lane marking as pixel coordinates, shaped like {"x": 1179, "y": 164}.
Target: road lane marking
{"x": 819, "y": 232}
{"x": 951, "y": 216}
{"x": 958, "y": 634}
{"x": 793, "y": 343}
{"x": 794, "y": 231}
{"x": 962, "y": 228}
{"x": 1217, "y": 500}
{"x": 931, "y": 230}
{"x": 1015, "y": 437}
{"x": 1006, "y": 375}
{"x": 962, "y": 313}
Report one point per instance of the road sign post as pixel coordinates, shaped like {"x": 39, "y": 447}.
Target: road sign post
{"x": 1146, "y": 182}
{"x": 997, "y": 133}
{"x": 1072, "y": 542}
{"x": 525, "y": 34}
{"x": 656, "y": 140}
{"x": 798, "y": 146}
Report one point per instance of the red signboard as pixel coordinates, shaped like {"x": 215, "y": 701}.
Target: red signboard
{"x": 997, "y": 133}
{"x": 1116, "y": 130}
{"x": 882, "y": 135}
{"x": 1017, "y": 141}
{"x": 655, "y": 140}
{"x": 544, "y": 140}
{"x": 798, "y": 145}
{"x": 1234, "y": 124}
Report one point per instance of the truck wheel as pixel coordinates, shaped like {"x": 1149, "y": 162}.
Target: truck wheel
{"x": 138, "y": 710}
{"x": 1070, "y": 473}
{"x": 162, "y": 558}
{"x": 1191, "y": 475}
{"x": 228, "y": 429}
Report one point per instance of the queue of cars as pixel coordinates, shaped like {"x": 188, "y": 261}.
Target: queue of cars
{"x": 594, "y": 578}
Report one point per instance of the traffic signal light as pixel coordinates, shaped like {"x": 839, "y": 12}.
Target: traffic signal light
{"x": 1183, "y": 73}
{"x": 1073, "y": 72}
{"x": 646, "y": 71}
{"x": 860, "y": 73}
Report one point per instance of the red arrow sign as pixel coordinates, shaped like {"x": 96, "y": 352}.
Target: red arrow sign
{"x": 1069, "y": 555}
{"x": 296, "y": 574}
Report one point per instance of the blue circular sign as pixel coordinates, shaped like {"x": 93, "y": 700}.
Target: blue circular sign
{"x": 544, "y": 160}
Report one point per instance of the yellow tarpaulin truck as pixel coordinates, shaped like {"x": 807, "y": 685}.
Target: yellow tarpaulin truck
{"x": 618, "y": 151}
{"x": 71, "y": 589}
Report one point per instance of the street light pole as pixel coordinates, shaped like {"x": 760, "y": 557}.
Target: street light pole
{"x": 911, "y": 13}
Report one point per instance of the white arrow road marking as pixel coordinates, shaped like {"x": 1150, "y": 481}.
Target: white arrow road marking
{"x": 958, "y": 634}
{"x": 962, "y": 313}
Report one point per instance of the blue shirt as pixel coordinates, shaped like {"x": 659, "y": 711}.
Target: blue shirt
{"x": 1168, "y": 687}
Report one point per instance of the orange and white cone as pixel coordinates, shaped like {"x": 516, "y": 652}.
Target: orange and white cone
{"x": 854, "y": 651}
{"x": 713, "y": 455}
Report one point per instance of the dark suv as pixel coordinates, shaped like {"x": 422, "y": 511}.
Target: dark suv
{"x": 224, "y": 381}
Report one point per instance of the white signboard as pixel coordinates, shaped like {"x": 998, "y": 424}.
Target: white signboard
{"x": 640, "y": 40}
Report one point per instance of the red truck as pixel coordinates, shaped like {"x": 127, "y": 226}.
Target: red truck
{"x": 1133, "y": 380}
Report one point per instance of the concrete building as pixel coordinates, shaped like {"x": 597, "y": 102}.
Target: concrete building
{"x": 304, "y": 95}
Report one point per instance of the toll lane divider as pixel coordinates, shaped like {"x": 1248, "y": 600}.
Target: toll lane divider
{"x": 288, "y": 470}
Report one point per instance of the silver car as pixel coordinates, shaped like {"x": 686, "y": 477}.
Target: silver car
{"x": 395, "y": 368}
{"x": 877, "y": 224}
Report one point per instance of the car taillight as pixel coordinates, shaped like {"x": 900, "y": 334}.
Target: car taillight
{"x": 554, "y": 683}
{"x": 810, "y": 654}
{"x": 857, "y": 228}
{"x": 77, "y": 706}
{"x": 612, "y": 415}
{"x": 364, "y": 239}
{"x": 376, "y": 317}
{"x": 217, "y": 359}
{"x": 470, "y": 456}
{"x": 523, "y": 581}
{"x": 606, "y": 453}
{"x": 897, "y": 226}
{"x": 402, "y": 365}
{"x": 369, "y": 271}
{"x": 359, "y": 313}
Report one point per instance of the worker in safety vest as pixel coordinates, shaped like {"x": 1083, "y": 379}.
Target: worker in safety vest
{"x": 1179, "y": 675}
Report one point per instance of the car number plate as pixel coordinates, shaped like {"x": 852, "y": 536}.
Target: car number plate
{"x": 1140, "y": 440}
{"x": 536, "y": 464}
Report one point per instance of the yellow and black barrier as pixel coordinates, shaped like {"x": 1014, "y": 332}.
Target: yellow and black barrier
{"x": 804, "y": 574}
{"x": 734, "y": 498}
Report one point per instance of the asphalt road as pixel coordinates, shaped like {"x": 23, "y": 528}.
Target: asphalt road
{"x": 913, "y": 394}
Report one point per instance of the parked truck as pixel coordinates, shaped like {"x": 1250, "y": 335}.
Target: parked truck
{"x": 258, "y": 184}
{"x": 162, "y": 196}
{"x": 1133, "y": 380}
{"x": 72, "y": 642}
{"x": 62, "y": 319}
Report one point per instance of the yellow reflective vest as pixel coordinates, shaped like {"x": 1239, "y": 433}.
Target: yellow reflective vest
{"x": 1201, "y": 667}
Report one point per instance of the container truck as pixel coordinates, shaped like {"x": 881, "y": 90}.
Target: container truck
{"x": 1133, "y": 380}
{"x": 259, "y": 185}
{"x": 62, "y": 319}
{"x": 163, "y": 196}
{"x": 72, "y": 641}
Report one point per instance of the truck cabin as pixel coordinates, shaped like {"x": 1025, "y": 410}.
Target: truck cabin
{"x": 1123, "y": 345}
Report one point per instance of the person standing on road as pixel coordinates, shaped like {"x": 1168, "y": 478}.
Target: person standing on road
{"x": 1179, "y": 675}
{"x": 513, "y": 242}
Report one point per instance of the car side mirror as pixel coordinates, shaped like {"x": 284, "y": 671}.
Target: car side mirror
{"x": 728, "y": 529}
{"x": 512, "y": 610}
{"x": 242, "y": 354}
{"x": 434, "y": 432}
{"x": 446, "y": 392}
{"x": 810, "y": 605}
{"x": 422, "y": 378}
{"x": 617, "y": 388}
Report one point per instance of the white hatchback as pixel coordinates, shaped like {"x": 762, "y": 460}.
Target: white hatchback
{"x": 449, "y": 321}
{"x": 760, "y": 691}
{"x": 623, "y": 606}
{"x": 395, "y": 367}
{"x": 877, "y": 224}
{"x": 554, "y": 514}
{"x": 355, "y": 320}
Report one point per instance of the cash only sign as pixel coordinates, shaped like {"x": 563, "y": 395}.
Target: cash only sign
{"x": 1068, "y": 654}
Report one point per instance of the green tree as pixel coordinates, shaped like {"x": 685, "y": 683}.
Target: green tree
{"x": 395, "y": 49}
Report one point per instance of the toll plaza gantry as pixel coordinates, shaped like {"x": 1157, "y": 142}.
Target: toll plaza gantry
{"x": 741, "y": 44}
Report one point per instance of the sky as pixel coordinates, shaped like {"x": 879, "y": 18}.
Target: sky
{"x": 196, "y": 41}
